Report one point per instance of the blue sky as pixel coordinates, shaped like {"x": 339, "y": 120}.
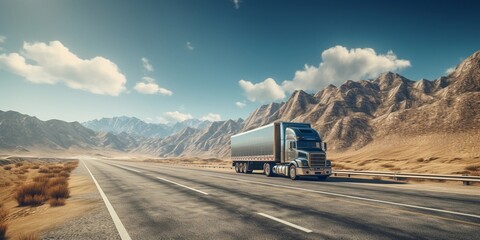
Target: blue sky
{"x": 214, "y": 59}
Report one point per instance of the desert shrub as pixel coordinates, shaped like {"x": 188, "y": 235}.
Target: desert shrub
{"x": 8, "y": 167}
{"x": 58, "y": 191}
{"x": 56, "y": 202}
{"x": 28, "y": 236}
{"x": 56, "y": 170}
{"x": 18, "y": 164}
{"x": 31, "y": 194}
{"x": 64, "y": 174}
{"x": 44, "y": 170}
{"x": 473, "y": 167}
{"x": 41, "y": 178}
{"x": 57, "y": 181}
{"x": 3, "y": 222}
{"x": 36, "y": 166}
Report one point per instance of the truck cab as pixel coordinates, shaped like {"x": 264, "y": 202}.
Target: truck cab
{"x": 305, "y": 153}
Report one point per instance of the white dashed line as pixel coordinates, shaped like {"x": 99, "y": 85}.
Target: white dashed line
{"x": 116, "y": 220}
{"x": 354, "y": 197}
{"x": 286, "y": 223}
{"x": 181, "y": 185}
{"x": 127, "y": 168}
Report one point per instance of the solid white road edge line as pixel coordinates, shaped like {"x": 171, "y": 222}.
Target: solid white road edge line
{"x": 353, "y": 197}
{"x": 181, "y": 185}
{"x": 286, "y": 223}
{"x": 116, "y": 220}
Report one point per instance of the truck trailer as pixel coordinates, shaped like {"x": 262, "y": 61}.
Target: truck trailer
{"x": 281, "y": 148}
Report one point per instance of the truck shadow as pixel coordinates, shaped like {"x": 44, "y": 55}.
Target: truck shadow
{"x": 353, "y": 180}
{"x": 340, "y": 179}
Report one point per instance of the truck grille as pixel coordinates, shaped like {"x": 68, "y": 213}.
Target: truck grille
{"x": 317, "y": 159}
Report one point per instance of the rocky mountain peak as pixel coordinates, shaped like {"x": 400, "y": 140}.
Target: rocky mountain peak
{"x": 466, "y": 76}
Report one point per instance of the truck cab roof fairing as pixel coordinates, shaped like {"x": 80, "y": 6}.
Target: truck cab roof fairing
{"x": 304, "y": 134}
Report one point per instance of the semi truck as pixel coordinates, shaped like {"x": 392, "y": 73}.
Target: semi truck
{"x": 281, "y": 148}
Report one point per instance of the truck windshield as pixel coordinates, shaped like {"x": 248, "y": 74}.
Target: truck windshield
{"x": 308, "y": 144}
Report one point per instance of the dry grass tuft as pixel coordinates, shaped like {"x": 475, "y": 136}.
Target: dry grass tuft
{"x": 56, "y": 202}
{"x": 31, "y": 194}
{"x": 44, "y": 170}
{"x": 3, "y": 222}
{"x": 58, "y": 191}
{"x": 36, "y": 166}
{"x": 41, "y": 179}
{"x": 8, "y": 167}
{"x": 64, "y": 174}
{"x": 18, "y": 164}
{"x": 28, "y": 236}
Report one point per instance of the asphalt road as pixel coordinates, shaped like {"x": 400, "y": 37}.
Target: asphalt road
{"x": 155, "y": 201}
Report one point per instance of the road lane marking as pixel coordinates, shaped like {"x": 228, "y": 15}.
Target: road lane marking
{"x": 354, "y": 197}
{"x": 286, "y": 223}
{"x": 127, "y": 168}
{"x": 181, "y": 185}
{"x": 345, "y": 196}
{"x": 116, "y": 220}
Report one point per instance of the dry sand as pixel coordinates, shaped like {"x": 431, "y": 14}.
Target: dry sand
{"x": 23, "y": 220}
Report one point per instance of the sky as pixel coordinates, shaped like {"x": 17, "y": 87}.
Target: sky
{"x": 172, "y": 60}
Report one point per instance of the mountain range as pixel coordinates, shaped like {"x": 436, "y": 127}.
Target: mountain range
{"x": 137, "y": 127}
{"x": 350, "y": 117}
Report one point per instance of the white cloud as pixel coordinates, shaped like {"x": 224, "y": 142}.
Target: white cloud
{"x": 265, "y": 91}
{"x": 212, "y": 117}
{"x": 176, "y": 116}
{"x": 236, "y": 3}
{"x": 146, "y": 65}
{"x": 450, "y": 70}
{"x": 340, "y": 64}
{"x": 190, "y": 46}
{"x": 148, "y": 120}
{"x": 151, "y": 88}
{"x": 54, "y": 63}
{"x": 240, "y": 104}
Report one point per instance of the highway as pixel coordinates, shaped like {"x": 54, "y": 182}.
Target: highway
{"x": 158, "y": 201}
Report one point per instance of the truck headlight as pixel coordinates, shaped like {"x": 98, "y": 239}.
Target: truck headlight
{"x": 304, "y": 163}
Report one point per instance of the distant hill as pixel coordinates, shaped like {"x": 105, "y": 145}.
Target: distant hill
{"x": 136, "y": 127}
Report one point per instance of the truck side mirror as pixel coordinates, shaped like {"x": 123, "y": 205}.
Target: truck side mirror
{"x": 324, "y": 146}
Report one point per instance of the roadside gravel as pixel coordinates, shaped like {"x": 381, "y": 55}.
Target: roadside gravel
{"x": 94, "y": 224}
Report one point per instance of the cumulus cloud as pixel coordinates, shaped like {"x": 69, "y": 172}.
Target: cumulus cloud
{"x": 190, "y": 46}
{"x": 236, "y": 3}
{"x": 340, "y": 64}
{"x": 176, "y": 116}
{"x": 146, "y": 65}
{"x": 450, "y": 70}
{"x": 241, "y": 104}
{"x": 267, "y": 90}
{"x": 212, "y": 117}
{"x": 151, "y": 88}
{"x": 54, "y": 63}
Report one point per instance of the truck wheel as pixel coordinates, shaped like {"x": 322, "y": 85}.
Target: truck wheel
{"x": 247, "y": 168}
{"x": 240, "y": 168}
{"x": 267, "y": 169}
{"x": 293, "y": 172}
{"x": 237, "y": 168}
{"x": 244, "y": 167}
